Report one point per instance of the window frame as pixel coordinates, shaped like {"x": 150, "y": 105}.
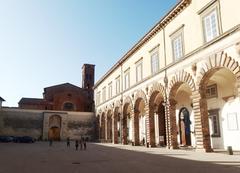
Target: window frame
{"x": 215, "y": 113}
{"x": 139, "y": 64}
{"x": 110, "y": 90}
{"x": 117, "y": 82}
{"x": 104, "y": 94}
{"x": 209, "y": 87}
{"x": 127, "y": 79}
{"x": 206, "y": 11}
{"x": 174, "y": 36}
{"x": 98, "y": 97}
{"x": 155, "y": 51}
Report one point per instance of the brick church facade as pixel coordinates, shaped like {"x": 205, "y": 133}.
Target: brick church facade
{"x": 65, "y": 97}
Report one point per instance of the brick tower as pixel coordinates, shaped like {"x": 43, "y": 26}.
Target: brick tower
{"x": 88, "y": 76}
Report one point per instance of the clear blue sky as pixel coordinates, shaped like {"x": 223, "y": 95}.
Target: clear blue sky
{"x": 46, "y": 42}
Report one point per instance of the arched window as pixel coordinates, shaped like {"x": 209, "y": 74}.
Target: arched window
{"x": 68, "y": 106}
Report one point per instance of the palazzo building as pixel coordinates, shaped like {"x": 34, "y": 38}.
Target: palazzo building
{"x": 179, "y": 85}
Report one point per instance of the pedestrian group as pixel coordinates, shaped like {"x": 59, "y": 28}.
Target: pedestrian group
{"x": 82, "y": 142}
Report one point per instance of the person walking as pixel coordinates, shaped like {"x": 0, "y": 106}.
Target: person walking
{"x": 68, "y": 142}
{"x": 50, "y": 142}
{"x": 81, "y": 143}
{"x": 84, "y": 144}
{"x": 76, "y": 144}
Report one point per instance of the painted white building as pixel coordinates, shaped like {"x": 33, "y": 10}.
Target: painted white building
{"x": 179, "y": 85}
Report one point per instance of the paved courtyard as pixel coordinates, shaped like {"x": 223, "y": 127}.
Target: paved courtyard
{"x": 108, "y": 158}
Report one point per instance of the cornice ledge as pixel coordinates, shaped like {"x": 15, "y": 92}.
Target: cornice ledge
{"x": 178, "y": 8}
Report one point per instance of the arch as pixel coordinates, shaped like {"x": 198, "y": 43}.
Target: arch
{"x": 99, "y": 112}
{"x": 55, "y": 121}
{"x": 128, "y": 100}
{"x": 142, "y": 95}
{"x": 117, "y": 103}
{"x": 209, "y": 67}
{"x": 178, "y": 79}
{"x": 214, "y": 63}
{"x": 110, "y": 106}
{"x": 157, "y": 87}
{"x": 156, "y": 121}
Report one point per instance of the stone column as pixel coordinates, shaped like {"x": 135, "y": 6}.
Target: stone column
{"x": 149, "y": 113}
{"x": 203, "y": 141}
{"x": 124, "y": 129}
{"x": 105, "y": 130}
{"x": 173, "y": 125}
{"x": 136, "y": 127}
{"x": 115, "y": 130}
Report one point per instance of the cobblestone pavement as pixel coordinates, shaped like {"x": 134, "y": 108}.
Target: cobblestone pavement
{"x": 108, "y": 158}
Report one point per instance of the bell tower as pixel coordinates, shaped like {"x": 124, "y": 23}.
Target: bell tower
{"x": 88, "y": 76}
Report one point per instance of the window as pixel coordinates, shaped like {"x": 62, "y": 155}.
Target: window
{"x": 214, "y": 123}
{"x": 68, "y": 106}
{"x": 139, "y": 74}
{"x": 127, "y": 79}
{"x": 154, "y": 60}
{"x": 110, "y": 90}
{"x": 104, "y": 94}
{"x": 98, "y": 98}
{"x": 177, "y": 44}
{"x": 211, "y": 91}
{"x": 118, "y": 85}
{"x": 210, "y": 20}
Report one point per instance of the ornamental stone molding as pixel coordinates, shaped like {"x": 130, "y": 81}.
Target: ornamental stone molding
{"x": 140, "y": 94}
{"x": 214, "y": 63}
{"x": 128, "y": 100}
{"x": 178, "y": 79}
{"x": 157, "y": 87}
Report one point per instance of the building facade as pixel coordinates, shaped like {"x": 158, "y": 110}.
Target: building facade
{"x": 179, "y": 85}
{"x": 65, "y": 111}
{"x": 66, "y": 97}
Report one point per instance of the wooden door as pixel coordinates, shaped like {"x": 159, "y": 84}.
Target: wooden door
{"x": 54, "y": 133}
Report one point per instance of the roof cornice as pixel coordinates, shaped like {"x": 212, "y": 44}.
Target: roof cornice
{"x": 164, "y": 21}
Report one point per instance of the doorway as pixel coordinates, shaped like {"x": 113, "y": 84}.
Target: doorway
{"x": 54, "y": 133}
{"x": 184, "y": 127}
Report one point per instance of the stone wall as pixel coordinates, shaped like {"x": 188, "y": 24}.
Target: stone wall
{"x": 35, "y": 123}
{"x": 16, "y": 122}
{"x": 81, "y": 125}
